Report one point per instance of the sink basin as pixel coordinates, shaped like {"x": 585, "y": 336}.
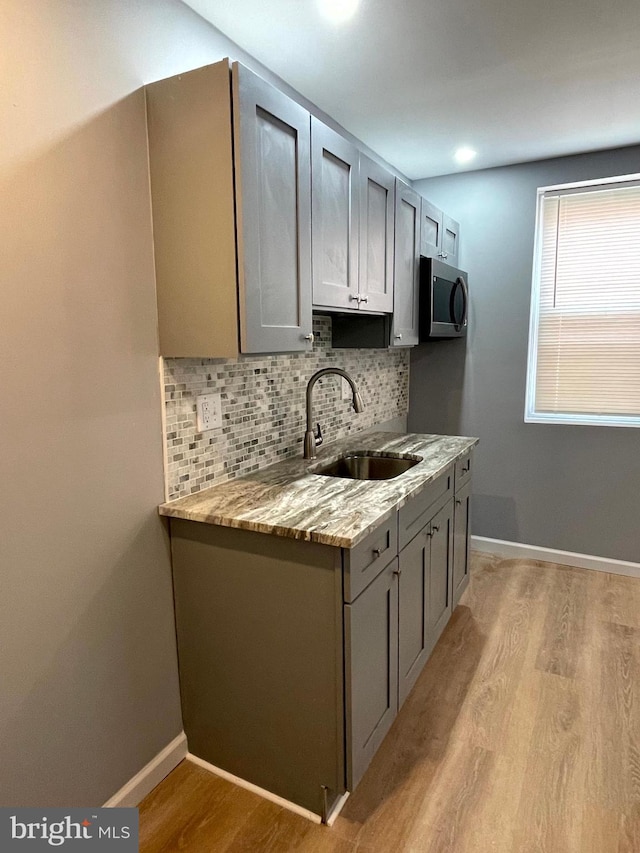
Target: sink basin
{"x": 361, "y": 465}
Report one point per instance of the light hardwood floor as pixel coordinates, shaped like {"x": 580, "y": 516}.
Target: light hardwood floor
{"x": 522, "y": 734}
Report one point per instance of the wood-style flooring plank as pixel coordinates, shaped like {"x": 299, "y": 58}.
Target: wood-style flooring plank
{"x": 522, "y": 734}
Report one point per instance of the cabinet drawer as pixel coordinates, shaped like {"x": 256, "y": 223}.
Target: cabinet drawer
{"x": 364, "y": 562}
{"x": 463, "y": 471}
{"x": 414, "y": 515}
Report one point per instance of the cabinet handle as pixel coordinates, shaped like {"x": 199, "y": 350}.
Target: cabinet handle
{"x": 364, "y": 299}
{"x": 309, "y": 337}
{"x": 435, "y": 528}
{"x": 458, "y": 501}
{"x": 398, "y": 337}
{"x": 377, "y": 552}
{"x": 397, "y": 572}
{"x": 355, "y": 297}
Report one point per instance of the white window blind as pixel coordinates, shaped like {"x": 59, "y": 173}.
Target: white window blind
{"x": 584, "y": 341}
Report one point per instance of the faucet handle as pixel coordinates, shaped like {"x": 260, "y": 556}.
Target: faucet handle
{"x": 318, "y": 436}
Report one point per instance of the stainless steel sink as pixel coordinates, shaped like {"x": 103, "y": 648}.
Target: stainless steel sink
{"x": 363, "y": 465}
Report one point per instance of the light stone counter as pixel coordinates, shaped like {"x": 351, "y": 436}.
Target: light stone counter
{"x": 289, "y": 499}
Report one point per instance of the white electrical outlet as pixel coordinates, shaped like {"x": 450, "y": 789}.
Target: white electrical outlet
{"x": 209, "y": 412}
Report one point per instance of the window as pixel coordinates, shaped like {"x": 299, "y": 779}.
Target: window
{"x": 584, "y": 336}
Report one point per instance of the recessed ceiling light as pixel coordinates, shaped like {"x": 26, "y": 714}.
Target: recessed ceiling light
{"x": 465, "y": 154}
{"x": 338, "y": 11}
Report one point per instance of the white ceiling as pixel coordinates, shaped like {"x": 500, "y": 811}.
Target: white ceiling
{"x": 514, "y": 79}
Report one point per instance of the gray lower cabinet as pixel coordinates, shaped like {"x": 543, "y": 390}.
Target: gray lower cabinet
{"x": 425, "y": 599}
{"x": 440, "y": 536}
{"x": 414, "y": 644}
{"x": 461, "y": 541}
{"x": 371, "y": 669}
{"x": 295, "y": 656}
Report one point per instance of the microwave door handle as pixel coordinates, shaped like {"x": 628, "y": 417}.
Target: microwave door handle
{"x": 465, "y": 295}
{"x": 452, "y": 304}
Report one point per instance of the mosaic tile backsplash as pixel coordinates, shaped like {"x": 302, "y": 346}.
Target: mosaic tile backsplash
{"x": 263, "y": 406}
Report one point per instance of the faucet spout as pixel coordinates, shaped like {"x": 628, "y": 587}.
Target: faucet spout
{"x": 311, "y": 438}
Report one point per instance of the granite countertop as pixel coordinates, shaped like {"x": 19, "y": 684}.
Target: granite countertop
{"x": 289, "y": 499}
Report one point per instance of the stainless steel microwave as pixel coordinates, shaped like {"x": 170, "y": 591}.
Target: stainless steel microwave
{"x": 444, "y": 300}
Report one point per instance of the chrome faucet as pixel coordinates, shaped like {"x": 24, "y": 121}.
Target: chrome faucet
{"x": 314, "y": 439}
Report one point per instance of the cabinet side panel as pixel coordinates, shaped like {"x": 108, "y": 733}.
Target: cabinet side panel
{"x": 258, "y": 623}
{"x": 191, "y": 166}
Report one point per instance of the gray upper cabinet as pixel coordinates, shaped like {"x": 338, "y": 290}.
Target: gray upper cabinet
{"x": 352, "y": 226}
{"x": 408, "y": 204}
{"x": 440, "y": 234}
{"x": 377, "y": 188}
{"x": 273, "y": 209}
{"x": 335, "y": 204}
{"x": 450, "y": 235}
{"x": 231, "y": 202}
{"x": 431, "y": 233}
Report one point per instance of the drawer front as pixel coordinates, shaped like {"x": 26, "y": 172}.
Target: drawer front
{"x": 463, "y": 471}
{"x": 414, "y": 515}
{"x": 364, "y": 562}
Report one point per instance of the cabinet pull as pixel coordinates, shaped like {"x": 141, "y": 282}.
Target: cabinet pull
{"x": 397, "y": 572}
{"x": 377, "y": 552}
{"x": 309, "y": 337}
{"x": 435, "y": 528}
{"x": 363, "y": 299}
{"x": 354, "y": 297}
{"x": 458, "y": 501}
{"x": 398, "y": 337}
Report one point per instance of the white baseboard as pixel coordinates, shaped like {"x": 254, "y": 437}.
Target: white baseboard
{"x": 151, "y": 774}
{"x": 268, "y": 795}
{"x": 513, "y": 550}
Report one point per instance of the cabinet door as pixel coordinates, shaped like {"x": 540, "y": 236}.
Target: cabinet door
{"x": 431, "y": 232}
{"x": 406, "y": 277}
{"x": 413, "y": 612}
{"x": 377, "y": 190}
{"x": 273, "y": 216}
{"x": 461, "y": 536}
{"x": 334, "y": 170}
{"x": 450, "y": 238}
{"x": 441, "y": 536}
{"x": 371, "y": 670}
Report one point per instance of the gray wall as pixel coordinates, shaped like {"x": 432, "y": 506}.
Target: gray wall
{"x": 88, "y": 672}
{"x": 575, "y": 488}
